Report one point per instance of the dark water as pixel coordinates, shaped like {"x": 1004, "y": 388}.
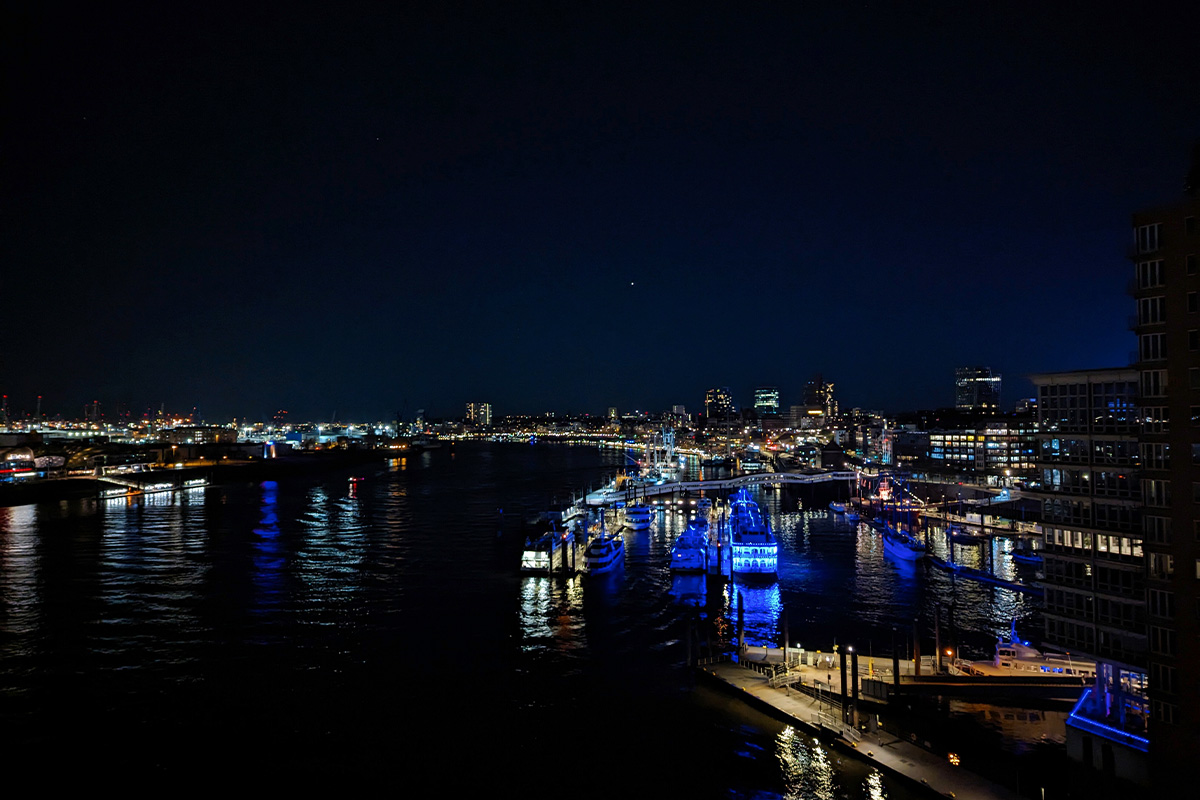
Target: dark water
{"x": 319, "y": 634}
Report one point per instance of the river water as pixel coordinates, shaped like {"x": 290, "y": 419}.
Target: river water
{"x": 319, "y": 633}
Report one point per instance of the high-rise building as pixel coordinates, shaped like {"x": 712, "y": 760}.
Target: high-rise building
{"x": 1095, "y": 608}
{"x": 718, "y": 403}
{"x": 479, "y": 414}
{"x": 1166, "y": 288}
{"x": 819, "y": 394}
{"x": 766, "y": 400}
{"x": 976, "y": 389}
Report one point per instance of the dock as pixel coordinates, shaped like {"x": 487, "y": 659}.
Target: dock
{"x": 818, "y": 716}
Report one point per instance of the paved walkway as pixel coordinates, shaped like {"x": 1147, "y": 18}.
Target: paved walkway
{"x": 880, "y": 749}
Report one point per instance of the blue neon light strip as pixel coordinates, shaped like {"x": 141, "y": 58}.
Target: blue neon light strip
{"x": 1107, "y": 731}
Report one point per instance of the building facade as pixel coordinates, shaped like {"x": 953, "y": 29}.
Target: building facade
{"x": 766, "y": 400}
{"x": 718, "y": 403}
{"x": 996, "y": 452}
{"x": 1166, "y": 288}
{"x": 479, "y": 414}
{"x": 1095, "y": 603}
{"x": 976, "y": 389}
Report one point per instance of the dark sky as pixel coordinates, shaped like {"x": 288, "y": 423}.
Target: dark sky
{"x": 364, "y": 209}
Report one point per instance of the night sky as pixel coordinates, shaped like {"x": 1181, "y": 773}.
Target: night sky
{"x": 355, "y": 210}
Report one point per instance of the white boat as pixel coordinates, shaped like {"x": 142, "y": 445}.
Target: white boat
{"x": 547, "y": 552}
{"x": 1014, "y": 657}
{"x": 637, "y": 516}
{"x": 901, "y": 545}
{"x": 604, "y": 553}
{"x": 755, "y": 550}
{"x": 690, "y": 551}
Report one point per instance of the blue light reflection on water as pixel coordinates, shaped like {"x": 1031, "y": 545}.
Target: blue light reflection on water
{"x": 329, "y": 620}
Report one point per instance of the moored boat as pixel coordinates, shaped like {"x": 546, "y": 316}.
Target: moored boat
{"x": 1014, "y": 657}
{"x": 901, "y": 545}
{"x": 637, "y": 516}
{"x": 690, "y": 551}
{"x": 553, "y": 550}
{"x": 755, "y": 549}
{"x": 604, "y": 553}
{"x": 837, "y": 508}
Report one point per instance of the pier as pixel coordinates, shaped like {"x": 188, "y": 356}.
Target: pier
{"x": 808, "y": 703}
{"x": 638, "y": 489}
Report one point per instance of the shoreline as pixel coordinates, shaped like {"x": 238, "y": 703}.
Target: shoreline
{"x": 52, "y": 490}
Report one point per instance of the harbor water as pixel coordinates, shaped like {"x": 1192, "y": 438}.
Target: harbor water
{"x": 323, "y": 632}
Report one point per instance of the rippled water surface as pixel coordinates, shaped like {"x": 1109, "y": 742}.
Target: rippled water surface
{"x": 316, "y": 632}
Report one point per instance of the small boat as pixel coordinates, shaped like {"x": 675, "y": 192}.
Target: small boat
{"x": 852, "y": 516}
{"x": 959, "y": 534}
{"x": 901, "y": 545}
{"x": 1026, "y": 555}
{"x": 837, "y": 508}
{"x": 637, "y": 516}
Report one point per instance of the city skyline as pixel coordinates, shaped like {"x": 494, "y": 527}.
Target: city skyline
{"x": 380, "y": 212}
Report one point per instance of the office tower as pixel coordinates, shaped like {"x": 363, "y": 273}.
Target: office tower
{"x": 766, "y": 400}
{"x": 479, "y": 414}
{"x": 1165, "y": 286}
{"x": 819, "y": 394}
{"x": 1095, "y": 607}
{"x": 976, "y": 389}
{"x": 718, "y": 403}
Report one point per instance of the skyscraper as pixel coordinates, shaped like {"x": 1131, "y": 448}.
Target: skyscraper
{"x": 479, "y": 414}
{"x": 976, "y": 389}
{"x": 1095, "y": 607}
{"x": 718, "y": 403}
{"x": 819, "y": 394}
{"x": 766, "y": 400}
{"x": 1166, "y": 287}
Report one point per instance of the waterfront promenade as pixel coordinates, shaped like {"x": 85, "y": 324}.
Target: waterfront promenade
{"x": 879, "y": 748}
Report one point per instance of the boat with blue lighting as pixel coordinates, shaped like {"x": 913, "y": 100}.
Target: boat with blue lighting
{"x": 690, "y": 551}
{"x": 902, "y": 545}
{"x": 837, "y": 508}
{"x": 754, "y": 548}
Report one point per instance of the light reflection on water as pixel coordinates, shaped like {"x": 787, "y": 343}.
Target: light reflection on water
{"x": 328, "y": 591}
{"x": 811, "y": 772}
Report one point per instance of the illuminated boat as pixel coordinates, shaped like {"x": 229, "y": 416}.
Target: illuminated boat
{"x": 901, "y": 545}
{"x": 690, "y": 551}
{"x": 1014, "y": 657}
{"x": 837, "y": 508}
{"x": 852, "y": 516}
{"x": 605, "y": 552}
{"x": 755, "y": 550}
{"x": 637, "y": 516}
{"x": 544, "y": 553}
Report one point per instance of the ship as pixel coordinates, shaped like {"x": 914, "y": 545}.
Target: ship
{"x": 605, "y": 552}
{"x": 690, "y": 551}
{"x": 755, "y": 550}
{"x": 901, "y": 545}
